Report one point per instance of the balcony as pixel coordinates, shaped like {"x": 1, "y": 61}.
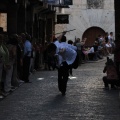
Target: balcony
{"x": 60, "y": 3}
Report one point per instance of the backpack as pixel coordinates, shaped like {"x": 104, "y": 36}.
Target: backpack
{"x": 75, "y": 64}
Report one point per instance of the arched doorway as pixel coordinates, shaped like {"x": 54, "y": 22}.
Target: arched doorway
{"x": 91, "y": 34}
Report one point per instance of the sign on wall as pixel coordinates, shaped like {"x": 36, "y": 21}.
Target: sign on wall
{"x": 63, "y": 19}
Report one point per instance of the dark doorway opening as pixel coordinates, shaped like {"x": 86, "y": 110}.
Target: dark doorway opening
{"x": 91, "y": 34}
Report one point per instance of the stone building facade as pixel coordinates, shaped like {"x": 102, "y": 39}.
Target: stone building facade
{"x": 90, "y": 18}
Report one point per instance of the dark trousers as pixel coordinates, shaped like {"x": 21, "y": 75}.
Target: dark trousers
{"x": 36, "y": 66}
{"x": 26, "y": 66}
{"x": 79, "y": 52}
{"x": 63, "y": 77}
{"x": 70, "y": 71}
{"x": 19, "y": 70}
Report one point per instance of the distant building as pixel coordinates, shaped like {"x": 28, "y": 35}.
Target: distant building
{"x": 90, "y": 18}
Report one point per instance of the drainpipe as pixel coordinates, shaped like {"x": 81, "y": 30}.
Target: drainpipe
{"x": 45, "y": 26}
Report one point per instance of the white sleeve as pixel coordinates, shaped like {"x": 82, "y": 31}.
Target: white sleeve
{"x": 73, "y": 47}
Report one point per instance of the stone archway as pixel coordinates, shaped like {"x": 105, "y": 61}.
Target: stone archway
{"x": 91, "y": 34}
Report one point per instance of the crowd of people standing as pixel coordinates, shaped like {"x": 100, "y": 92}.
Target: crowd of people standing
{"x": 20, "y": 55}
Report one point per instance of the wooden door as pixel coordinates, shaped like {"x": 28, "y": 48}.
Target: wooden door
{"x": 91, "y": 34}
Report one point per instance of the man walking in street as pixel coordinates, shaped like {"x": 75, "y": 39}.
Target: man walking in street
{"x": 66, "y": 56}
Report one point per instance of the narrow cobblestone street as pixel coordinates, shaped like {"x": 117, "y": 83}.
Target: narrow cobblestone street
{"x": 85, "y": 98}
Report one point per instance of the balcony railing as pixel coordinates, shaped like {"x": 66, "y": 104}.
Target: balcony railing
{"x": 59, "y": 3}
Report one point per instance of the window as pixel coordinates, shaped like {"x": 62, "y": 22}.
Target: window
{"x": 3, "y": 21}
{"x": 95, "y": 4}
{"x": 63, "y": 19}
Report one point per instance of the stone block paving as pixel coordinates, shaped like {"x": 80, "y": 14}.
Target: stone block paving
{"x": 85, "y": 98}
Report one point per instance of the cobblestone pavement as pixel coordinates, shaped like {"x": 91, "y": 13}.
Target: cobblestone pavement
{"x": 85, "y": 99}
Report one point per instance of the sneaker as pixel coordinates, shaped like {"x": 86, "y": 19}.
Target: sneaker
{"x": 12, "y": 90}
{"x": 5, "y": 93}
{"x": 21, "y": 81}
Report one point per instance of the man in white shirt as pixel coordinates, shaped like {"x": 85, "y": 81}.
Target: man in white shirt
{"x": 26, "y": 58}
{"x": 67, "y": 55}
{"x": 110, "y": 37}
